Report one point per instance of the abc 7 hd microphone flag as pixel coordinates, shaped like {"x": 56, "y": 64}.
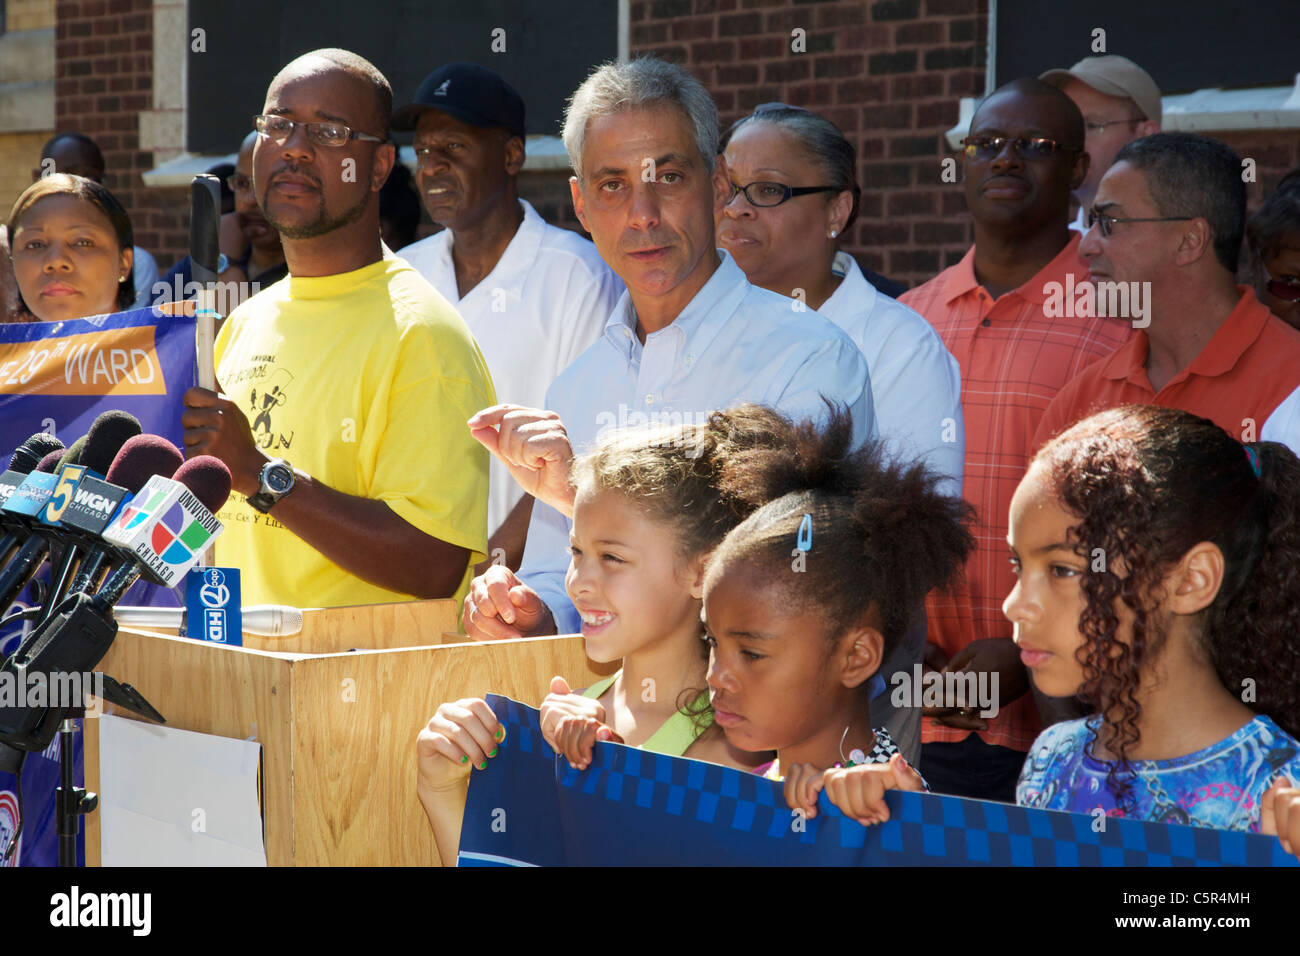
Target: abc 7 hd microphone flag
{"x": 59, "y": 377}
{"x": 637, "y": 808}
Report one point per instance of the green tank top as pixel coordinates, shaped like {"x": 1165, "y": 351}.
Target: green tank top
{"x": 676, "y": 734}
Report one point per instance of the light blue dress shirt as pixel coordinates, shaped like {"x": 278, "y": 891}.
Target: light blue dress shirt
{"x": 733, "y": 343}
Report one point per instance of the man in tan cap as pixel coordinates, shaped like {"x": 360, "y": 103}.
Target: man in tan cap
{"x": 1119, "y": 102}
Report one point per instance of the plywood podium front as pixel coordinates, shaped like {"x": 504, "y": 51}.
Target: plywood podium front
{"x": 337, "y": 709}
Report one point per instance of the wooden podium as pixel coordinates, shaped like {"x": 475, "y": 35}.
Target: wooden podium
{"x": 337, "y": 709}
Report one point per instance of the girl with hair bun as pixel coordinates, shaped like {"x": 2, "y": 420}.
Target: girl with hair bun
{"x": 807, "y": 597}
{"x": 649, "y": 510}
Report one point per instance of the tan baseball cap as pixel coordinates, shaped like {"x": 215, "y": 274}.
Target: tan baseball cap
{"x": 1114, "y": 76}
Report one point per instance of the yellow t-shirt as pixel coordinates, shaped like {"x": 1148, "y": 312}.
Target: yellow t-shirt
{"x": 364, "y": 381}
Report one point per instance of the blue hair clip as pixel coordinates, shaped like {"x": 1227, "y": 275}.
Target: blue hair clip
{"x": 804, "y": 542}
{"x": 1253, "y": 455}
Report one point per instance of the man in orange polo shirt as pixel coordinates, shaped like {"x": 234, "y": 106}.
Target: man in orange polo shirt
{"x": 1022, "y": 158}
{"x": 1169, "y": 217}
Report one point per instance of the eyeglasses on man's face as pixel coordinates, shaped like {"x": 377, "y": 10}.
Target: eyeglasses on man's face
{"x": 773, "y": 194}
{"x": 1107, "y": 223}
{"x": 1026, "y": 147}
{"x": 278, "y": 129}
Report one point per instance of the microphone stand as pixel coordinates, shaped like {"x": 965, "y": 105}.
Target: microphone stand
{"x": 70, "y": 801}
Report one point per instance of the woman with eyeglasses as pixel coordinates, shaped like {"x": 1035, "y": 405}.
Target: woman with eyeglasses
{"x": 72, "y": 248}
{"x": 1274, "y": 237}
{"x": 795, "y": 193}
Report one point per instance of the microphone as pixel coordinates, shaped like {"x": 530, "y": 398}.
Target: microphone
{"x": 87, "y": 459}
{"x": 24, "y": 505}
{"x": 167, "y": 526}
{"x": 25, "y": 457}
{"x": 96, "y": 502}
{"x": 264, "y": 620}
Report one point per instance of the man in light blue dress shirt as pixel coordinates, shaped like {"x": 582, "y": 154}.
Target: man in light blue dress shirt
{"x": 690, "y": 335}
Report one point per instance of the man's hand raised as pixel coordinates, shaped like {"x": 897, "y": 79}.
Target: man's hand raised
{"x": 500, "y": 607}
{"x": 534, "y": 445}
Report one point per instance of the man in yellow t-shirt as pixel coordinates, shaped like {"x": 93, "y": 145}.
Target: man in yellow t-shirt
{"x": 347, "y": 385}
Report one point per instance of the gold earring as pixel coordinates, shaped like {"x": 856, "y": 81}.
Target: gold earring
{"x": 121, "y": 278}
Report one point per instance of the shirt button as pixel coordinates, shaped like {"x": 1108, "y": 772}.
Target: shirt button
{"x": 627, "y": 333}
{"x": 689, "y": 359}
{"x": 986, "y": 322}
{"x": 649, "y": 399}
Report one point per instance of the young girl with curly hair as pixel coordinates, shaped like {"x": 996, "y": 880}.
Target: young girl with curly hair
{"x": 1158, "y": 566}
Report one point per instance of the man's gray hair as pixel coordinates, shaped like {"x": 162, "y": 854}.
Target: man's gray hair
{"x": 637, "y": 84}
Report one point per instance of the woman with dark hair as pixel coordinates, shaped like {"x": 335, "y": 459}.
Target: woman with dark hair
{"x": 72, "y": 248}
{"x": 1274, "y": 237}
{"x": 795, "y": 195}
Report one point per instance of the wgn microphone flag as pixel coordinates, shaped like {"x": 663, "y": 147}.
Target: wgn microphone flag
{"x": 633, "y": 807}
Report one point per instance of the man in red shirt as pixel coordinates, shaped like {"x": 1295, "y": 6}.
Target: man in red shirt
{"x": 1022, "y": 158}
{"x": 1169, "y": 217}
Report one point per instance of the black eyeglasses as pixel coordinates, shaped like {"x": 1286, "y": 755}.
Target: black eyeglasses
{"x": 279, "y": 128}
{"x": 1107, "y": 223}
{"x": 773, "y": 194}
{"x": 1026, "y": 147}
{"x": 239, "y": 183}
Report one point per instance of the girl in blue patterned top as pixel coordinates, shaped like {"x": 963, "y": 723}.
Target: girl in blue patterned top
{"x": 1157, "y": 562}
{"x": 1158, "y": 566}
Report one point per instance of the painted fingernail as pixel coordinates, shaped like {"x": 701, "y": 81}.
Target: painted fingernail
{"x": 483, "y": 765}
{"x": 493, "y": 752}
{"x": 501, "y": 733}
{"x": 464, "y": 757}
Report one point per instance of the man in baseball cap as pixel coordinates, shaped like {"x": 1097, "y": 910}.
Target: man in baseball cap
{"x": 533, "y": 295}
{"x": 1119, "y": 102}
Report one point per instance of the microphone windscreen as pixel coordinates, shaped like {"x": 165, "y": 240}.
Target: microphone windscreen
{"x": 140, "y": 459}
{"x": 27, "y": 455}
{"x": 50, "y": 461}
{"x": 72, "y": 455}
{"x": 207, "y": 478}
{"x": 105, "y": 439}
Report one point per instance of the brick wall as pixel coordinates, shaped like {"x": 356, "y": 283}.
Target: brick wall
{"x": 889, "y": 73}
{"x": 103, "y": 81}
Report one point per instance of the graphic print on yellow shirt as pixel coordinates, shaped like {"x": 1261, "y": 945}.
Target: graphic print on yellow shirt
{"x": 364, "y": 381}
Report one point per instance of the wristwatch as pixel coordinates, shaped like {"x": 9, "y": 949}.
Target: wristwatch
{"x": 274, "y": 482}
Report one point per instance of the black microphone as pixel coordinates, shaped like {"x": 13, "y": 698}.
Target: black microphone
{"x": 94, "y": 453}
{"x": 25, "y": 457}
{"x": 139, "y": 459}
{"x": 27, "y": 499}
{"x": 82, "y": 629}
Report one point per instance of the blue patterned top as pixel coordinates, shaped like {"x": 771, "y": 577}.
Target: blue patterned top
{"x": 1220, "y": 786}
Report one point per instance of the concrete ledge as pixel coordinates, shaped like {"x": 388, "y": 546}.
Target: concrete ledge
{"x": 27, "y": 56}
{"x": 26, "y": 106}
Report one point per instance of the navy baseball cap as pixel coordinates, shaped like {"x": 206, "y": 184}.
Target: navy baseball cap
{"x": 472, "y": 94}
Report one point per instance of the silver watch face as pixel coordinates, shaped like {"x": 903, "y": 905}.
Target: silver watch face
{"x": 278, "y": 478}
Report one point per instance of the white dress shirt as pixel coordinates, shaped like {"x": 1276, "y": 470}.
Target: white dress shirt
{"x": 915, "y": 381}
{"x": 734, "y": 342}
{"x": 543, "y": 303}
